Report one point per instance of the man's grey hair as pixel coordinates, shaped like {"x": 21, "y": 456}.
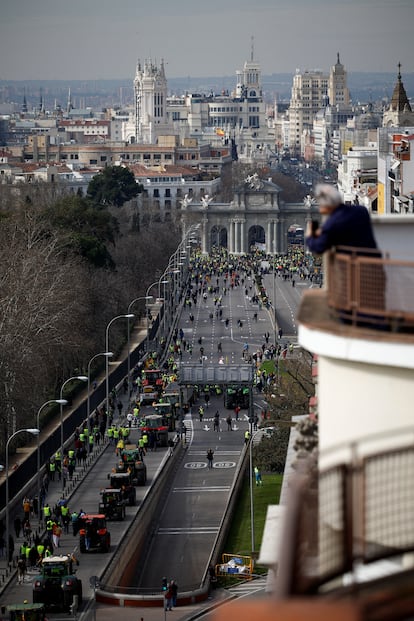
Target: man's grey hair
{"x": 328, "y": 195}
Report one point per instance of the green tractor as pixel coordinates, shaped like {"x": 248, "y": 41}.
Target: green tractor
{"x": 57, "y": 585}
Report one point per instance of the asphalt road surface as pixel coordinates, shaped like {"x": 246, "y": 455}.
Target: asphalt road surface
{"x": 192, "y": 514}
{"x": 287, "y": 299}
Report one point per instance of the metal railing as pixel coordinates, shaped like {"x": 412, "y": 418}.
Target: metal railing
{"x": 365, "y": 289}
{"x": 347, "y": 515}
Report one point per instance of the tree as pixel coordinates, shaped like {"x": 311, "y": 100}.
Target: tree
{"x": 43, "y": 310}
{"x": 113, "y": 186}
{"x": 85, "y": 229}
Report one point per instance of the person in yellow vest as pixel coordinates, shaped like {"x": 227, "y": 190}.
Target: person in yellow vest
{"x": 246, "y": 437}
{"x": 40, "y": 550}
{"x": 119, "y": 446}
{"x": 65, "y": 513}
{"x": 141, "y": 448}
{"x": 145, "y": 439}
{"x": 47, "y": 512}
{"x": 110, "y": 434}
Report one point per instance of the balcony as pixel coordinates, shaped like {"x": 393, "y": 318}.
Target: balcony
{"x": 374, "y": 295}
{"x": 348, "y": 529}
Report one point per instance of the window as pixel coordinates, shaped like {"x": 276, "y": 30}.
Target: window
{"x": 103, "y": 158}
{"x": 93, "y": 161}
{"x": 168, "y": 192}
{"x": 156, "y": 193}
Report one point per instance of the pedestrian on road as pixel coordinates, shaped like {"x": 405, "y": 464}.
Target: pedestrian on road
{"x": 201, "y": 413}
{"x": 21, "y": 570}
{"x": 168, "y": 598}
{"x": 174, "y": 590}
{"x": 216, "y": 424}
{"x": 17, "y": 527}
{"x": 210, "y": 455}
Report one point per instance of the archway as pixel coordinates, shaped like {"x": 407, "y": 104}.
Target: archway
{"x": 257, "y": 238}
{"x": 218, "y": 237}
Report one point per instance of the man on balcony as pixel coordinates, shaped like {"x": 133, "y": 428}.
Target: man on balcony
{"x": 345, "y": 225}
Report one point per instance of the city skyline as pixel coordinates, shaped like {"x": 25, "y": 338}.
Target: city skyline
{"x": 98, "y": 39}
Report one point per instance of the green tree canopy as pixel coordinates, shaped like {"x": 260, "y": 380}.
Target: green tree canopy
{"x": 113, "y": 186}
{"x": 88, "y": 230}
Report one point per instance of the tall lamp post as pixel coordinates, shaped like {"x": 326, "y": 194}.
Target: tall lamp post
{"x": 80, "y": 378}
{"x": 107, "y": 354}
{"x": 34, "y": 432}
{"x": 60, "y": 402}
{"x": 146, "y": 309}
{"x": 251, "y": 485}
{"x": 130, "y": 305}
{"x": 126, "y": 316}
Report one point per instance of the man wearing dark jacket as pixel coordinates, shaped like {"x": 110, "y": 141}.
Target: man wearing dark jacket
{"x": 346, "y": 225}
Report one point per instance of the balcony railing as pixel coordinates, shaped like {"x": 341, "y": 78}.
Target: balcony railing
{"x": 371, "y": 291}
{"x": 350, "y": 515}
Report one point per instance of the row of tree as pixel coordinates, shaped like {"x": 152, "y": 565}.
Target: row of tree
{"x": 68, "y": 264}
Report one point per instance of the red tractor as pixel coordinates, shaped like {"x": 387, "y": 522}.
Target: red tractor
{"x": 93, "y": 533}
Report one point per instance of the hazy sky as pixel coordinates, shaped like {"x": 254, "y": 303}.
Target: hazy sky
{"x": 87, "y": 39}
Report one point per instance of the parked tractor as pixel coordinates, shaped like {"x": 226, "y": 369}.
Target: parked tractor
{"x": 57, "y": 584}
{"x": 26, "y": 612}
{"x": 93, "y": 533}
{"x": 123, "y": 481}
{"x": 112, "y": 504}
{"x": 131, "y": 462}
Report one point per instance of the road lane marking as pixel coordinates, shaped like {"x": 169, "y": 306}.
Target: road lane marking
{"x": 224, "y": 464}
{"x": 194, "y": 465}
{"x": 218, "y": 488}
{"x": 206, "y": 530}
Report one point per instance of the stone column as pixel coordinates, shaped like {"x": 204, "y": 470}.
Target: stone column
{"x": 231, "y": 237}
{"x": 242, "y": 237}
{"x": 236, "y": 236}
{"x": 269, "y": 239}
{"x": 204, "y": 242}
{"x": 276, "y": 235}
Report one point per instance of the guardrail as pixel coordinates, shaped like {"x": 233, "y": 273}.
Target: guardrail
{"x": 365, "y": 289}
{"x": 111, "y": 590}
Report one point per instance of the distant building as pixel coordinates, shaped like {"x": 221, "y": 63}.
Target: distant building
{"x": 317, "y": 96}
{"x": 150, "y": 99}
{"x": 396, "y": 170}
{"x": 399, "y": 112}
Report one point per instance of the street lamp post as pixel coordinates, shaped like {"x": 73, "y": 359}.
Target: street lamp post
{"x": 80, "y": 378}
{"x": 251, "y": 486}
{"x": 107, "y": 354}
{"x": 126, "y": 316}
{"x": 144, "y": 297}
{"x": 146, "y": 310}
{"x": 34, "y": 432}
{"x": 60, "y": 402}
